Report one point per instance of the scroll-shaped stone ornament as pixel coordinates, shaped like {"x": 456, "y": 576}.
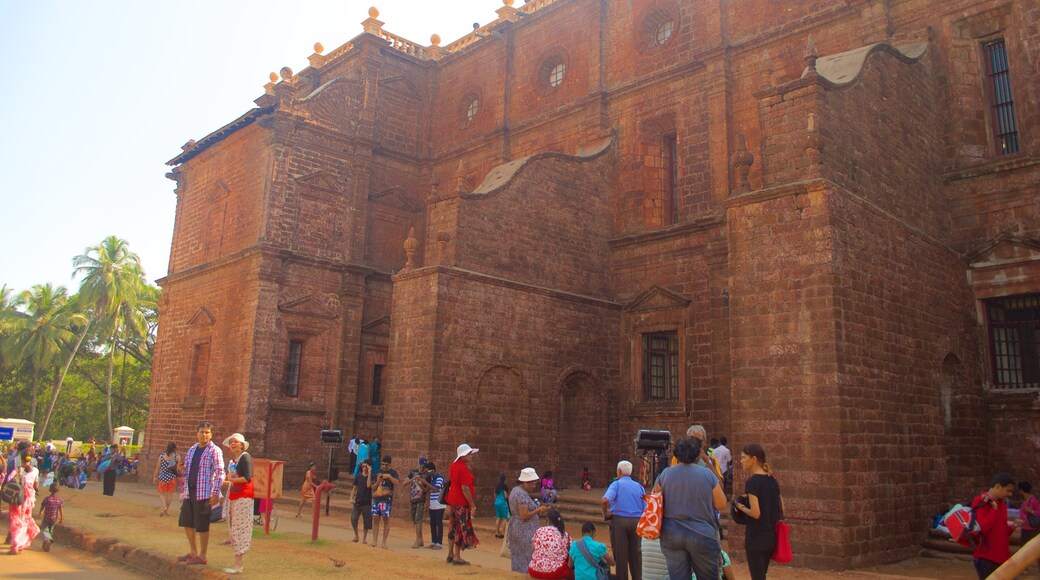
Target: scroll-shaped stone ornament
{"x": 741, "y": 162}
{"x": 410, "y": 244}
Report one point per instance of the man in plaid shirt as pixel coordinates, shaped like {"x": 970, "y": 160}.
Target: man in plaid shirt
{"x": 201, "y": 492}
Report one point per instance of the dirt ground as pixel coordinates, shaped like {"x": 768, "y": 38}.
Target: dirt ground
{"x": 131, "y": 516}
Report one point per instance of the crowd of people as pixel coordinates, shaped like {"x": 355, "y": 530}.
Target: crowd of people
{"x": 691, "y": 486}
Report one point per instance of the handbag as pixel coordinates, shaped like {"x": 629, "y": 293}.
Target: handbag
{"x": 649, "y": 526}
{"x": 782, "y": 553}
{"x": 602, "y": 568}
{"x": 738, "y": 516}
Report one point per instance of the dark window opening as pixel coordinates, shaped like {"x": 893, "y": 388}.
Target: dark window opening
{"x": 670, "y": 150}
{"x": 377, "y": 384}
{"x": 199, "y": 369}
{"x": 1005, "y": 127}
{"x": 661, "y": 366}
{"x": 1014, "y": 339}
{"x": 292, "y": 368}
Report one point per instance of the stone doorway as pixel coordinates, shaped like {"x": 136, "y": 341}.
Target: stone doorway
{"x": 583, "y": 432}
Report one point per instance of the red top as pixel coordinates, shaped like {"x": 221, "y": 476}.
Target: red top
{"x": 460, "y": 476}
{"x": 996, "y": 533}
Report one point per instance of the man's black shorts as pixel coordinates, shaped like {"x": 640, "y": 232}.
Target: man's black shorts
{"x": 195, "y": 514}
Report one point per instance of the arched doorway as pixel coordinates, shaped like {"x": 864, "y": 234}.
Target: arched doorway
{"x": 583, "y": 430}
{"x": 501, "y": 429}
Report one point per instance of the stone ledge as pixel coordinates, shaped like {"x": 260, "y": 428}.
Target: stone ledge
{"x": 158, "y": 565}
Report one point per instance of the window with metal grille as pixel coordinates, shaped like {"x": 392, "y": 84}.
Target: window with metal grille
{"x": 292, "y": 368}
{"x": 1014, "y": 340}
{"x": 670, "y": 150}
{"x": 377, "y": 384}
{"x": 1005, "y": 127}
{"x": 661, "y": 366}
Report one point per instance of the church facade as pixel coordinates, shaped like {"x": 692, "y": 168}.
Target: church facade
{"x": 811, "y": 225}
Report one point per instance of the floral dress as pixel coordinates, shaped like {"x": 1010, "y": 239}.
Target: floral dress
{"x": 520, "y": 532}
{"x": 550, "y": 550}
{"x": 22, "y": 526}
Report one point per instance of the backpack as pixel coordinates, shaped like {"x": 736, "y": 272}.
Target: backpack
{"x": 13, "y": 492}
{"x": 963, "y": 526}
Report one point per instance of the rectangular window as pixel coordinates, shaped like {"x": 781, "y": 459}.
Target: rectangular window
{"x": 670, "y": 152}
{"x": 1014, "y": 339}
{"x": 661, "y": 366}
{"x": 377, "y": 384}
{"x": 1005, "y": 127}
{"x": 292, "y": 368}
{"x": 199, "y": 369}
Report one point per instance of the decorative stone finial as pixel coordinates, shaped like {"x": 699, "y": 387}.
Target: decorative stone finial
{"x": 318, "y": 48}
{"x": 373, "y": 12}
{"x": 442, "y": 247}
{"x": 507, "y": 3}
{"x": 435, "y": 40}
{"x": 273, "y": 76}
{"x": 813, "y": 146}
{"x": 286, "y": 73}
{"x": 810, "y": 54}
{"x": 189, "y": 145}
{"x": 741, "y": 161}
{"x": 410, "y": 244}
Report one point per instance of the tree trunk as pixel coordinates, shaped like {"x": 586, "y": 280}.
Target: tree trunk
{"x": 61, "y": 378}
{"x": 35, "y": 386}
{"x": 122, "y": 386}
{"x": 108, "y": 384}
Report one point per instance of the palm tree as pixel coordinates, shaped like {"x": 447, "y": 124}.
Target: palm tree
{"x": 39, "y": 334}
{"x": 112, "y": 283}
{"x": 78, "y": 318}
{"x": 9, "y": 301}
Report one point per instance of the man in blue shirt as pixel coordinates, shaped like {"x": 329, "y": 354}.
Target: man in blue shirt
{"x": 623, "y": 504}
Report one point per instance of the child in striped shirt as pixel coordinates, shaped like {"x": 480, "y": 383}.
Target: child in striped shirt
{"x": 50, "y": 507}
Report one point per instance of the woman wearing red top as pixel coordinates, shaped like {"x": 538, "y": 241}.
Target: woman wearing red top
{"x": 461, "y": 505}
{"x": 240, "y": 499}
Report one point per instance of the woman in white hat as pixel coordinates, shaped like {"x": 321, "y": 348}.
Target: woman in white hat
{"x": 240, "y": 499}
{"x": 524, "y": 521}
{"x": 462, "y": 505}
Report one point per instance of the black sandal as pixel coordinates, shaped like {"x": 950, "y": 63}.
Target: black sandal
{"x": 451, "y": 559}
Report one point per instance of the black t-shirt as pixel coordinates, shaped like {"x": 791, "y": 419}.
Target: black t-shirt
{"x": 244, "y": 466}
{"x": 364, "y": 490}
{"x": 193, "y": 471}
{"x": 761, "y": 533}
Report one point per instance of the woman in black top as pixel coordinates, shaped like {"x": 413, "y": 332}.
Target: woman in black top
{"x": 765, "y": 510}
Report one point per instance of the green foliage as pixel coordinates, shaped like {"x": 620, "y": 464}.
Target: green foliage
{"x": 86, "y": 359}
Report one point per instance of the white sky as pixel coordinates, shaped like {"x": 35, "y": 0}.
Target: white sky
{"x": 97, "y": 95}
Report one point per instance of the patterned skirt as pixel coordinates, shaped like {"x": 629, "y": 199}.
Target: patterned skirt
{"x": 461, "y": 530}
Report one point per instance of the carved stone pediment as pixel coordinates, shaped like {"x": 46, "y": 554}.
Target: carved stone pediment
{"x": 218, "y": 191}
{"x": 1005, "y": 249}
{"x": 377, "y": 326}
{"x": 202, "y": 318}
{"x": 403, "y": 85}
{"x": 394, "y": 197}
{"x": 312, "y": 305}
{"x": 657, "y": 298}
{"x": 320, "y": 181}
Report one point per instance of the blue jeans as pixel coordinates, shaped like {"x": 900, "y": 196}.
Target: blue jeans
{"x": 688, "y": 553}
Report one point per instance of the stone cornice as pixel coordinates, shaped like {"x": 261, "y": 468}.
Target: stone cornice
{"x": 675, "y": 231}
{"x": 506, "y": 283}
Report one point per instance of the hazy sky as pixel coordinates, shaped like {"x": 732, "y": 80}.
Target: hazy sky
{"x": 100, "y": 94}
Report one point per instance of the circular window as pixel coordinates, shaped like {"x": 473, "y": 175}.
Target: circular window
{"x": 556, "y": 74}
{"x": 657, "y": 30}
{"x": 664, "y": 32}
{"x": 472, "y": 109}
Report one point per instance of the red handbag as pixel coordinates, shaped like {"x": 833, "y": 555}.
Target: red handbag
{"x": 782, "y": 553}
